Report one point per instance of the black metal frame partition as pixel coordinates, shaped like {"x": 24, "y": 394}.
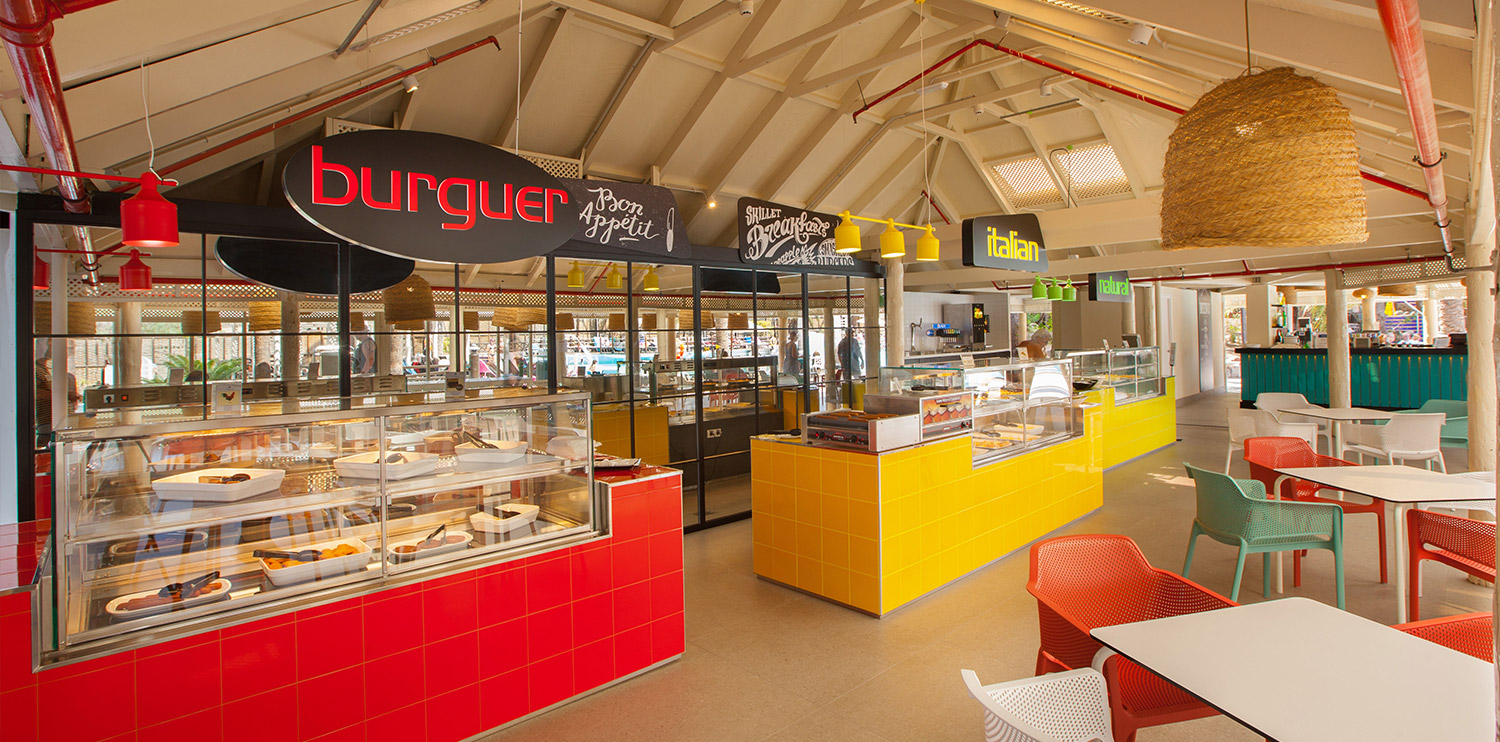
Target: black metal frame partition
{"x": 212, "y": 218}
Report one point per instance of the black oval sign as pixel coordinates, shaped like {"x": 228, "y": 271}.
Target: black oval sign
{"x": 309, "y": 267}
{"x": 430, "y": 197}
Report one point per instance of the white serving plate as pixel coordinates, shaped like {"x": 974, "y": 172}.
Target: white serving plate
{"x": 323, "y": 451}
{"x": 367, "y": 465}
{"x": 187, "y": 487}
{"x": 320, "y": 569}
{"x": 113, "y": 606}
{"x": 505, "y": 452}
{"x": 490, "y": 524}
{"x": 425, "y": 553}
{"x": 193, "y": 540}
{"x": 405, "y": 439}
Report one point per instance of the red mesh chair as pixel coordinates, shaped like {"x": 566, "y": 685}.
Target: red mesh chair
{"x": 1265, "y": 455}
{"x": 1472, "y": 633}
{"x": 1463, "y": 544}
{"x": 1084, "y": 582}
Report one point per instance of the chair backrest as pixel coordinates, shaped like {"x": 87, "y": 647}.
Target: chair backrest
{"x": 1473, "y": 540}
{"x": 1449, "y": 407}
{"x": 1413, "y": 431}
{"x": 1245, "y": 423}
{"x": 1265, "y": 454}
{"x": 1471, "y": 633}
{"x": 1222, "y": 506}
{"x": 1070, "y": 706}
{"x": 1087, "y": 575}
{"x": 1278, "y": 401}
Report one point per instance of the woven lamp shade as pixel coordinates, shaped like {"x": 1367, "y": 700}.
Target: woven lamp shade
{"x": 195, "y": 322}
{"x": 409, "y": 300}
{"x": 81, "y": 318}
{"x": 648, "y": 321}
{"x": 265, "y": 316}
{"x": 1399, "y": 289}
{"x": 739, "y": 321}
{"x": 471, "y": 321}
{"x": 528, "y": 316}
{"x": 1264, "y": 160}
{"x": 357, "y": 322}
{"x": 564, "y": 321}
{"x": 411, "y": 325}
{"x": 617, "y": 322}
{"x": 1363, "y": 293}
{"x": 685, "y": 319}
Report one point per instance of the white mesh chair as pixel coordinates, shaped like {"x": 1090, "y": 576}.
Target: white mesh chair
{"x": 1275, "y": 402}
{"x": 1247, "y": 424}
{"x": 1405, "y": 437}
{"x": 1070, "y": 706}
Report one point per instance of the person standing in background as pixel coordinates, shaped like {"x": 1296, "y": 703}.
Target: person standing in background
{"x": 851, "y": 357}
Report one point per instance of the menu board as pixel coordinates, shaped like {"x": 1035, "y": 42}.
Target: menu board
{"x": 629, "y": 216}
{"x": 776, "y": 234}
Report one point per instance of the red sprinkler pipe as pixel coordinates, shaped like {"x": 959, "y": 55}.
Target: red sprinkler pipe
{"x": 1403, "y": 31}
{"x": 273, "y": 126}
{"x": 26, "y": 27}
{"x": 1257, "y": 271}
{"x": 1090, "y": 79}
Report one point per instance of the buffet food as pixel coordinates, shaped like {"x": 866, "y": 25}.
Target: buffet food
{"x": 398, "y": 465}
{"x": 218, "y": 485}
{"x": 504, "y": 518}
{"x": 160, "y": 544}
{"x": 173, "y": 597}
{"x": 433, "y": 544}
{"x": 331, "y": 561}
{"x": 481, "y": 453}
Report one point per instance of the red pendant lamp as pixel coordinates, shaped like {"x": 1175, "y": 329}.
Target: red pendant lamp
{"x": 135, "y": 275}
{"x": 147, "y": 219}
{"x": 41, "y": 274}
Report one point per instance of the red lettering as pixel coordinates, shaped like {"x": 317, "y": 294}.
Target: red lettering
{"x": 484, "y": 201}
{"x": 560, "y": 195}
{"x": 466, "y": 209}
{"x": 367, "y": 192}
{"x": 351, "y": 189}
{"x": 527, "y": 199}
{"x": 412, "y": 179}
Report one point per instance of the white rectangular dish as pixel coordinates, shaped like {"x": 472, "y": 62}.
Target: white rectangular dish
{"x": 504, "y": 453}
{"x": 113, "y": 607}
{"x": 322, "y": 568}
{"x": 459, "y": 544}
{"x": 367, "y": 465}
{"x": 187, "y": 487}
{"x": 525, "y": 515}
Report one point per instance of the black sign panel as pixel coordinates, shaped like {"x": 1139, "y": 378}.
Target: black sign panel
{"x": 430, "y": 197}
{"x": 774, "y": 234}
{"x": 309, "y": 267}
{"x": 1010, "y": 242}
{"x": 629, "y": 216}
{"x": 1111, "y": 286}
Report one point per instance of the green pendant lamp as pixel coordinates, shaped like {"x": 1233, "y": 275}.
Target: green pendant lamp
{"x": 1069, "y": 293}
{"x": 1038, "y": 289}
{"x": 1055, "y": 292}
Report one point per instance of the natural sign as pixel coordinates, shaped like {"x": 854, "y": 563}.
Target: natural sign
{"x": 430, "y": 197}
{"x": 1112, "y": 286}
{"x": 774, "y": 234}
{"x": 1010, "y": 242}
{"x": 629, "y": 216}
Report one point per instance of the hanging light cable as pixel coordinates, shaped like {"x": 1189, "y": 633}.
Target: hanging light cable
{"x": 147, "y": 219}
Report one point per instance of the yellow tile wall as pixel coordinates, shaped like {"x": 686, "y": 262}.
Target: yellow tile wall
{"x": 612, "y": 431}
{"x": 1140, "y": 427}
{"x": 876, "y": 532}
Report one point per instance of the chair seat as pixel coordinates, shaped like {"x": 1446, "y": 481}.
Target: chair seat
{"x": 1141, "y": 691}
{"x": 1458, "y": 561}
{"x": 1234, "y": 539}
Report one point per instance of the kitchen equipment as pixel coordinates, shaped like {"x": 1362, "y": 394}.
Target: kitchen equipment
{"x": 861, "y": 431}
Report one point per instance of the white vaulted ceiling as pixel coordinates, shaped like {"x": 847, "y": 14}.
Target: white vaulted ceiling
{"x": 695, "y": 96}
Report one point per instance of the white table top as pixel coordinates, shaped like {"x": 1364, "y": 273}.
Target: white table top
{"x": 1342, "y": 414}
{"x": 1296, "y": 670}
{"x": 1402, "y": 484}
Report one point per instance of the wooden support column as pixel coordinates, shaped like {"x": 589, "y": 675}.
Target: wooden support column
{"x": 895, "y": 312}
{"x": 1258, "y": 315}
{"x": 1150, "y": 338}
{"x": 1338, "y": 339}
{"x": 1368, "y": 320}
{"x": 1432, "y": 312}
{"x": 872, "y": 326}
{"x": 1127, "y": 317}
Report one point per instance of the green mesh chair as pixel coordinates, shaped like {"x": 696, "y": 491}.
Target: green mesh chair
{"x": 1236, "y": 512}
{"x": 1456, "y": 427}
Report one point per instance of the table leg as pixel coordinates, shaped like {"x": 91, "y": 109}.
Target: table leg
{"x": 1398, "y": 517}
{"x": 1275, "y": 493}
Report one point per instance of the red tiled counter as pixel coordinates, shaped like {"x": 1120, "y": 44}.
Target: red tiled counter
{"x": 438, "y": 661}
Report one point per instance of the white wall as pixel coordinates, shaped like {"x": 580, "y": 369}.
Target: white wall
{"x": 1087, "y": 324}
{"x": 1178, "y": 323}
{"x": 9, "y": 497}
{"x": 927, "y": 308}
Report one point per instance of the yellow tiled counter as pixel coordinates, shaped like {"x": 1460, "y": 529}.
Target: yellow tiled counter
{"x": 612, "y": 429}
{"x": 1137, "y": 428}
{"x": 877, "y": 531}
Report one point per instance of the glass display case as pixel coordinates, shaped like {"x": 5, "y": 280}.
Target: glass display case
{"x": 1016, "y": 407}
{"x": 1134, "y": 373}
{"x": 730, "y": 386}
{"x": 166, "y": 528}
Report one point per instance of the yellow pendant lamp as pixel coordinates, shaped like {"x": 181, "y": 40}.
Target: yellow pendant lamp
{"x": 651, "y": 282}
{"x": 892, "y": 242}
{"x": 614, "y": 280}
{"x": 846, "y": 235}
{"x": 575, "y": 277}
{"x": 927, "y": 246}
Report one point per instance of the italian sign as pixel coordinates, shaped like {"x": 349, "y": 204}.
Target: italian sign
{"x": 1009, "y": 242}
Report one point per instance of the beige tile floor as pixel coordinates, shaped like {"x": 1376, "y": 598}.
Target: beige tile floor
{"x": 767, "y": 663}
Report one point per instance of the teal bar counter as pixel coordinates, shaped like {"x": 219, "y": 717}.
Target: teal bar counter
{"x": 1379, "y": 378}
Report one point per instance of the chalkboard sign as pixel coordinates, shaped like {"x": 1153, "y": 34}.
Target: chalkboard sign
{"x": 775, "y": 234}
{"x": 629, "y": 216}
{"x": 309, "y": 267}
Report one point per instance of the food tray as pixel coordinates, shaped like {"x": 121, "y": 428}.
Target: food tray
{"x": 149, "y": 547}
{"x": 404, "y": 439}
{"x": 221, "y": 592}
{"x": 505, "y": 453}
{"x": 459, "y": 545}
{"x": 367, "y": 465}
{"x": 490, "y": 524}
{"x": 187, "y": 487}
{"x": 321, "y": 569}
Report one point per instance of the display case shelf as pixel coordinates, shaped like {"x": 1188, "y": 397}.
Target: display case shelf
{"x": 1133, "y": 373}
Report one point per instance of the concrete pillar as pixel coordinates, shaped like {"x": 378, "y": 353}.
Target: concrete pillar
{"x": 291, "y": 341}
{"x": 1149, "y": 331}
{"x": 1369, "y": 321}
{"x": 1258, "y": 319}
{"x": 1127, "y": 316}
{"x": 128, "y": 364}
{"x": 387, "y": 359}
{"x": 895, "y": 312}
{"x": 872, "y": 326}
{"x": 1338, "y": 339}
{"x": 1432, "y": 314}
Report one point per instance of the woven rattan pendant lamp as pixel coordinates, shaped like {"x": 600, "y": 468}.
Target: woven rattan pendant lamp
{"x": 409, "y": 301}
{"x": 1267, "y": 159}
